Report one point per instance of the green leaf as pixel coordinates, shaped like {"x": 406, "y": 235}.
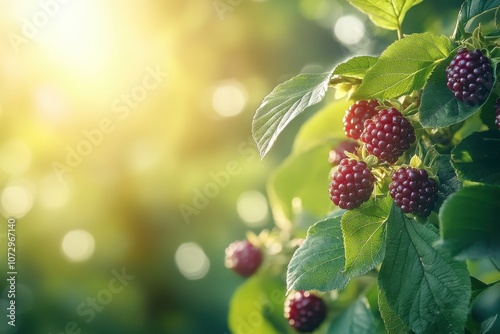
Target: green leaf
{"x": 318, "y": 263}
{"x": 477, "y": 287}
{"x": 388, "y": 14}
{"x": 439, "y": 107}
{"x": 325, "y": 126}
{"x": 355, "y": 67}
{"x": 448, "y": 181}
{"x": 357, "y": 319}
{"x": 393, "y": 324}
{"x": 469, "y": 10}
{"x": 257, "y": 307}
{"x": 286, "y": 102}
{"x": 290, "y": 189}
{"x": 423, "y": 285}
{"x": 469, "y": 222}
{"x": 404, "y": 66}
{"x": 477, "y": 158}
{"x": 363, "y": 231}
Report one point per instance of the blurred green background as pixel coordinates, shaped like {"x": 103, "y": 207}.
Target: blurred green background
{"x": 125, "y": 148}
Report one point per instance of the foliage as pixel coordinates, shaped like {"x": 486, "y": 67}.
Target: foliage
{"x": 416, "y": 264}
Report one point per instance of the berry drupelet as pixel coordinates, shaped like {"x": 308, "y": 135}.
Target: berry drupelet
{"x": 304, "y": 311}
{"x": 352, "y": 184}
{"x": 470, "y": 76}
{"x": 356, "y": 115}
{"x": 388, "y": 135}
{"x": 413, "y": 191}
{"x": 243, "y": 258}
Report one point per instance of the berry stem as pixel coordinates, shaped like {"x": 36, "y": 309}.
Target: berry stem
{"x": 400, "y": 32}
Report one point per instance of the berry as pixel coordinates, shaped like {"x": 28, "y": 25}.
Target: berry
{"x": 413, "y": 191}
{"x": 356, "y": 115}
{"x": 388, "y": 135}
{"x": 338, "y": 153}
{"x": 243, "y": 258}
{"x": 304, "y": 311}
{"x": 352, "y": 184}
{"x": 470, "y": 76}
{"x": 497, "y": 114}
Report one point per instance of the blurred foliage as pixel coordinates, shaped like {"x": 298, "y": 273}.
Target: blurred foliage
{"x": 65, "y": 68}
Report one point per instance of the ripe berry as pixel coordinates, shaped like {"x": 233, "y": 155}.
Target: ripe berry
{"x": 388, "y": 135}
{"x": 356, "y": 115}
{"x": 497, "y": 114}
{"x": 304, "y": 311}
{"x": 470, "y": 76}
{"x": 352, "y": 184}
{"x": 413, "y": 191}
{"x": 243, "y": 258}
{"x": 338, "y": 153}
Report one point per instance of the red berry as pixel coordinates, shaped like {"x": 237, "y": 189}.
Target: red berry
{"x": 243, "y": 258}
{"x": 338, "y": 153}
{"x": 356, "y": 115}
{"x": 388, "y": 135}
{"x": 470, "y": 76}
{"x": 304, "y": 311}
{"x": 413, "y": 191}
{"x": 352, "y": 184}
{"x": 497, "y": 114}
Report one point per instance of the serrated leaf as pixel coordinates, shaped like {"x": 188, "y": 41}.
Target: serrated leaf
{"x": 439, "y": 106}
{"x": 318, "y": 263}
{"x": 477, "y": 158}
{"x": 424, "y": 286}
{"x": 257, "y": 306}
{"x": 388, "y": 14}
{"x": 448, "y": 181}
{"x": 306, "y": 188}
{"x": 356, "y": 319}
{"x": 469, "y": 222}
{"x": 469, "y": 10}
{"x": 404, "y": 66}
{"x": 355, "y": 67}
{"x": 285, "y": 103}
{"x": 393, "y": 324}
{"x": 363, "y": 232}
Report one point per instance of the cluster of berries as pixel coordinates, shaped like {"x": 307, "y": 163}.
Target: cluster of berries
{"x": 386, "y": 134}
{"x": 304, "y": 311}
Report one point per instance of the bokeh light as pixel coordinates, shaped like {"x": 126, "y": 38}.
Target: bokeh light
{"x": 53, "y": 193}
{"x": 78, "y": 245}
{"x": 229, "y": 98}
{"x": 192, "y": 261}
{"x": 349, "y": 30}
{"x": 17, "y": 198}
{"x": 252, "y": 208}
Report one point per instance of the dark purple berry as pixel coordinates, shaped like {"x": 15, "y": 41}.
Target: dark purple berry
{"x": 497, "y": 114}
{"x": 356, "y": 115}
{"x": 338, "y": 153}
{"x": 304, "y": 311}
{"x": 243, "y": 258}
{"x": 352, "y": 184}
{"x": 413, "y": 191}
{"x": 470, "y": 76}
{"x": 388, "y": 135}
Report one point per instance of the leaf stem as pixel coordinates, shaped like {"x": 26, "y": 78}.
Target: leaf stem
{"x": 400, "y": 32}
